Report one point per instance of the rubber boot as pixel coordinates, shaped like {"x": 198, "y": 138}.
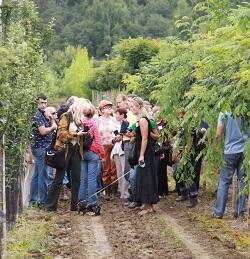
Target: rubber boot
{"x": 192, "y": 202}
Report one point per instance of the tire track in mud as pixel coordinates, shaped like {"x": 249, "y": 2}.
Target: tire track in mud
{"x": 192, "y": 245}
{"x": 184, "y": 220}
{"x": 141, "y": 237}
{"x": 80, "y": 237}
{"x": 94, "y": 240}
{"x": 120, "y": 233}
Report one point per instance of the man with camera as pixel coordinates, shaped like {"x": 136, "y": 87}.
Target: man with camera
{"x": 42, "y": 137}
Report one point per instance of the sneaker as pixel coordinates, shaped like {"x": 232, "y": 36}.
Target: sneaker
{"x": 142, "y": 206}
{"x": 126, "y": 203}
{"x": 94, "y": 210}
{"x": 33, "y": 205}
{"x": 216, "y": 216}
{"x": 133, "y": 205}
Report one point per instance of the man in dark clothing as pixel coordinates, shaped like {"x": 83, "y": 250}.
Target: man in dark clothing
{"x": 42, "y": 137}
{"x": 192, "y": 169}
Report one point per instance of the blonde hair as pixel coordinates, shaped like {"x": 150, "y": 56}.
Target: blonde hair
{"x": 50, "y": 109}
{"x": 143, "y": 111}
{"x": 78, "y": 108}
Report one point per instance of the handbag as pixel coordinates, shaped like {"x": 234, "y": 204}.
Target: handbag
{"x": 87, "y": 142}
{"x": 55, "y": 158}
{"x": 157, "y": 148}
{"x": 132, "y": 157}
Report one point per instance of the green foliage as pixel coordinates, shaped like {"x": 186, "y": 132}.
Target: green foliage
{"x": 135, "y": 51}
{"x": 207, "y": 74}
{"x": 23, "y": 75}
{"x": 76, "y": 76}
{"x": 108, "y": 75}
{"x": 128, "y": 56}
{"x": 61, "y": 60}
{"x": 100, "y": 24}
{"x": 31, "y": 237}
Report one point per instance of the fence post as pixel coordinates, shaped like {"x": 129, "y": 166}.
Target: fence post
{"x": 3, "y": 253}
{"x": 2, "y": 203}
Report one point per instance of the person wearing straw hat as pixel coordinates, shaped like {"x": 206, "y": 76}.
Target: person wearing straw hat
{"x": 107, "y": 125}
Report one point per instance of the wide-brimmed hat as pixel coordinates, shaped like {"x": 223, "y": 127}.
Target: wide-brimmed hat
{"x": 104, "y": 103}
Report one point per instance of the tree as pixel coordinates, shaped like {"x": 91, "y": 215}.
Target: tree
{"x": 23, "y": 75}
{"x": 99, "y": 24}
{"x": 127, "y": 57}
{"x": 76, "y": 76}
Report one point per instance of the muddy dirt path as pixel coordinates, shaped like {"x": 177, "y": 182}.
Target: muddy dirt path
{"x": 120, "y": 233}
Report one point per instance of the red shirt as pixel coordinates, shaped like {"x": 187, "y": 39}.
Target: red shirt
{"x": 96, "y": 146}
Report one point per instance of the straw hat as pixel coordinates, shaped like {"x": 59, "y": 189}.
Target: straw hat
{"x": 104, "y": 103}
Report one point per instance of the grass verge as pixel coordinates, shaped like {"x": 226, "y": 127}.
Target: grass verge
{"x": 31, "y": 237}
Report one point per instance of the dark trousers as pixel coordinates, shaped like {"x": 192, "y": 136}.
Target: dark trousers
{"x": 73, "y": 164}
{"x": 178, "y": 177}
{"x": 162, "y": 176}
{"x": 191, "y": 186}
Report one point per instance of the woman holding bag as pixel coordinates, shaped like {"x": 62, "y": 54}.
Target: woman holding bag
{"x": 68, "y": 138}
{"x": 146, "y": 175}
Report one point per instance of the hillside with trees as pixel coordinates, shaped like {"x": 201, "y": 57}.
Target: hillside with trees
{"x": 99, "y": 24}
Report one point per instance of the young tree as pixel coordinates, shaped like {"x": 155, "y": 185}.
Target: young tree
{"x": 76, "y": 76}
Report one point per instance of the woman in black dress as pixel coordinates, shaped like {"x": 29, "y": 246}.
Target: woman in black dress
{"x": 146, "y": 175}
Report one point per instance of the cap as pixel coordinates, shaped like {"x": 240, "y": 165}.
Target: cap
{"x": 104, "y": 103}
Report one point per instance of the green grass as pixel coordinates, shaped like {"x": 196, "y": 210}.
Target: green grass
{"x": 31, "y": 237}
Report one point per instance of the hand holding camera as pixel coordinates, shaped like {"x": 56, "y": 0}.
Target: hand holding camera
{"x": 82, "y": 131}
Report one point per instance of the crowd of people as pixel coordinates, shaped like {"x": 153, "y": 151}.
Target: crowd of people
{"x": 121, "y": 150}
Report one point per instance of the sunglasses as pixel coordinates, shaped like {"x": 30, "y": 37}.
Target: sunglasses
{"x": 53, "y": 113}
{"x": 107, "y": 107}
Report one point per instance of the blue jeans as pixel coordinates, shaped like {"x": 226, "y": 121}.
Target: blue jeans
{"x": 38, "y": 185}
{"x": 99, "y": 176}
{"x": 89, "y": 172}
{"x": 132, "y": 181}
{"x": 50, "y": 175}
{"x": 232, "y": 162}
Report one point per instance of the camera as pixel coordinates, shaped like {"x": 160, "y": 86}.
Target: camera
{"x": 142, "y": 164}
{"x": 129, "y": 129}
{"x": 85, "y": 128}
{"x": 116, "y": 132}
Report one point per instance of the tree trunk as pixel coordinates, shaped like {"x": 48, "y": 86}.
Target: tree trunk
{"x": 2, "y": 202}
